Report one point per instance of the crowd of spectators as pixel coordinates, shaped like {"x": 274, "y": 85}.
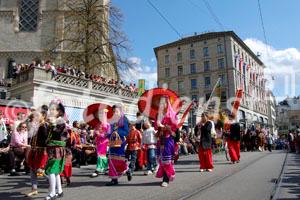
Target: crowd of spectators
{"x": 72, "y": 71}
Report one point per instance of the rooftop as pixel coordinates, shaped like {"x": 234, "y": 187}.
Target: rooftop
{"x": 208, "y": 36}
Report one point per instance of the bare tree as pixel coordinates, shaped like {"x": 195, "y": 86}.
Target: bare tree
{"x": 89, "y": 35}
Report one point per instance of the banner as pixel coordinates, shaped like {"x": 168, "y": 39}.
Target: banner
{"x": 141, "y": 88}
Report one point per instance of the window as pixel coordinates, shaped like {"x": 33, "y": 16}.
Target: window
{"x": 180, "y": 70}
{"x": 206, "y": 66}
{"x": 221, "y": 63}
{"x": 234, "y": 49}
{"x": 195, "y": 97}
{"x": 167, "y": 59}
{"x": 207, "y": 95}
{"x": 193, "y": 84}
{"x": 167, "y": 72}
{"x": 2, "y": 95}
{"x": 180, "y": 86}
{"x": 192, "y": 54}
{"x": 207, "y": 81}
{"x": 193, "y": 68}
{"x": 222, "y": 79}
{"x": 29, "y": 15}
{"x": 205, "y": 51}
{"x": 179, "y": 56}
{"x": 223, "y": 96}
{"x": 219, "y": 48}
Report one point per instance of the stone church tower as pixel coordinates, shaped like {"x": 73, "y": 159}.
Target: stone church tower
{"x": 29, "y": 28}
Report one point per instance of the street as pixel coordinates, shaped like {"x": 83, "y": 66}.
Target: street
{"x": 253, "y": 178}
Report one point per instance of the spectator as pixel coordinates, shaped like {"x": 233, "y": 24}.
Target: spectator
{"x": 19, "y": 145}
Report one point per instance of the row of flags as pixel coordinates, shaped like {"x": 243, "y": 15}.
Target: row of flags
{"x": 251, "y": 72}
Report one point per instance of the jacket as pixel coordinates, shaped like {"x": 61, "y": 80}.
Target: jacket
{"x": 205, "y": 134}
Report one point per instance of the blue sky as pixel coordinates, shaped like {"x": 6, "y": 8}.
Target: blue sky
{"x": 146, "y": 29}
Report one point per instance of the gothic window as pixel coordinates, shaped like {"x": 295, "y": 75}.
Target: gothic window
{"x": 28, "y": 15}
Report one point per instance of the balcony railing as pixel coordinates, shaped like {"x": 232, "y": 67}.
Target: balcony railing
{"x": 39, "y": 74}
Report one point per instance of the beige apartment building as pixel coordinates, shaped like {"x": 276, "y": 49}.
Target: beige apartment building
{"x": 191, "y": 66}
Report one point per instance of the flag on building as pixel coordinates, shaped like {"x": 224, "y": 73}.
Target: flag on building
{"x": 141, "y": 88}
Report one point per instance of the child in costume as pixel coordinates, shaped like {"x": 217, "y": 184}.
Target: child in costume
{"x": 166, "y": 125}
{"x": 56, "y": 149}
{"x": 101, "y": 142}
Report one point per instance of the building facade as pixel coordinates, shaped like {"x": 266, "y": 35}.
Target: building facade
{"x": 288, "y": 114}
{"x": 192, "y": 66}
{"x": 37, "y": 87}
{"x": 30, "y": 28}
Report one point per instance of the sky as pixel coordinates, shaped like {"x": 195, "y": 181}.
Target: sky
{"x": 280, "y": 51}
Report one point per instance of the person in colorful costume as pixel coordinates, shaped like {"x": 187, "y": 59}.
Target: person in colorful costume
{"x": 166, "y": 124}
{"x": 233, "y": 140}
{"x": 134, "y": 140}
{"x": 56, "y": 149}
{"x": 101, "y": 142}
{"x": 37, "y": 158}
{"x": 117, "y": 142}
{"x": 203, "y": 129}
{"x": 70, "y": 142}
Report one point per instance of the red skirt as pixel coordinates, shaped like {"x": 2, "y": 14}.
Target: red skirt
{"x": 68, "y": 167}
{"x": 205, "y": 158}
{"x": 234, "y": 150}
{"x": 37, "y": 159}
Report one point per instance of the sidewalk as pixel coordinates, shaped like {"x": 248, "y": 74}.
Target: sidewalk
{"x": 289, "y": 187}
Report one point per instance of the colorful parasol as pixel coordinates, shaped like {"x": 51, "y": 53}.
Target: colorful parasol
{"x": 148, "y": 103}
{"x": 92, "y": 112}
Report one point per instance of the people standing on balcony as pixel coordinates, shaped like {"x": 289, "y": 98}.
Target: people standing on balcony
{"x": 37, "y": 158}
{"x": 50, "y": 68}
{"x": 203, "y": 129}
{"x": 56, "y": 149}
{"x": 117, "y": 141}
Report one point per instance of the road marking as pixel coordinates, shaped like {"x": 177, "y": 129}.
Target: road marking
{"x": 219, "y": 180}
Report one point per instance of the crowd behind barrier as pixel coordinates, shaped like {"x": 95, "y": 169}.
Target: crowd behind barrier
{"x": 72, "y": 71}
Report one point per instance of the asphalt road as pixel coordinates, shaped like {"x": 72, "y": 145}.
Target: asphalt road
{"x": 252, "y": 179}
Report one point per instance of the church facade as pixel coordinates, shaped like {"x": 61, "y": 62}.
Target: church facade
{"x": 29, "y": 28}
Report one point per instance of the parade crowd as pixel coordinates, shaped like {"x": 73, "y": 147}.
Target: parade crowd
{"x": 45, "y": 144}
{"x": 72, "y": 71}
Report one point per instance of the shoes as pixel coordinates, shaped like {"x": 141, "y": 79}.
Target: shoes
{"x": 14, "y": 173}
{"x": 95, "y": 174}
{"x": 201, "y": 170}
{"x": 112, "y": 183}
{"x": 129, "y": 176}
{"x": 50, "y": 198}
{"x": 68, "y": 181}
{"x": 209, "y": 170}
{"x": 32, "y": 193}
{"x": 59, "y": 195}
{"x": 149, "y": 172}
{"x": 164, "y": 184}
